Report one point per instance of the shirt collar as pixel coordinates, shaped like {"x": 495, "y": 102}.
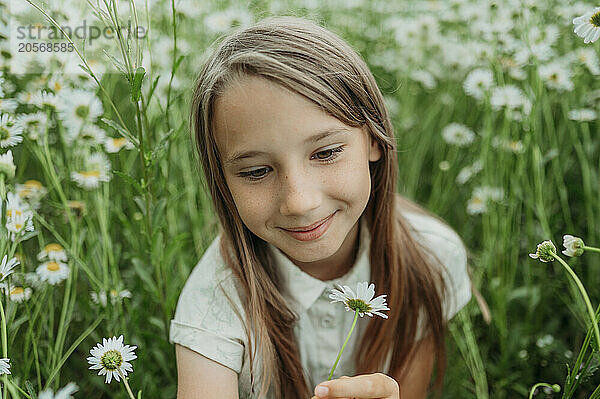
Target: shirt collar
{"x": 302, "y": 290}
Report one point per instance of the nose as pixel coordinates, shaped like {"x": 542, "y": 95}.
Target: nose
{"x": 301, "y": 194}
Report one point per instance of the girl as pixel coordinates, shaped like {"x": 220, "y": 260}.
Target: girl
{"x": 299, "y": 154}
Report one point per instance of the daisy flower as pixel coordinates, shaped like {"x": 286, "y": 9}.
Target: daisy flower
{"x": 8, "y": 105}
{"x": 478, "y": 83}
{"x": 19, "y": 294}
{"x": 97, "y": 169}
{"x": 53, "y": 272}
{"x": 78, "y": 108}
{"x": 515, "y": 146}
{"x": 583, "y": 115}
{"x": 34, "y": 125}
{"x": 512, "y": 98}
{"x": 53, "y": 251}
{"x": 112, "y": 358}
{"x": 467, "y": 172}
{"x": 556, "y": 76}
{"x": 544, "y": 251}
{"x": 573, "y": 245}
{"x": 6, "y": 268}
{"x": 32, "y": 191}
{"x": 100, "y": 297}
{"x": 588, "y": 26}
{"x": 19, "y": 224}
{"x": 7, "y": 164}
{"x": 113, "y": 145}
{"x": 10, "y": 133}
{"x": 361, "y": 302}
{"x": 481, "y": 196}
{"x": 44, "y": 99}
{"x": 458, "y": 134}
{"x": 64, "y": 393}
{"x": 4, "y": 366}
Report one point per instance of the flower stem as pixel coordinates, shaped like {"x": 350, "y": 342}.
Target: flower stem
{"x": 585, "y": 297}
{"x": 594, "y": 249}
{"x": 343, "y": 346}
{"x": 4, "y": 346}
{"x": 126, "y": 385}
{"x": 554, "y": 387}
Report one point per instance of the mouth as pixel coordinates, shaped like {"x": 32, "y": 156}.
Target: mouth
{"x": 316, "y": 231}
{"x": 310, "y": 227}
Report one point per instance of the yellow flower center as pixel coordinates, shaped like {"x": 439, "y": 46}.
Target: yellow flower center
{"x": 18, "y": 226}
{"x": 91, "y": 173}
{"x": 53, "y": 266}
{"x": 54, "y": 247}
{"x": 17, "y": 291}
{"x": 595, "y": 19}
{"x": 33, "y": 184}
{"x": 113, "y": 292}
{"x": 119, "y": 142}
{"x": 9, "y": 212}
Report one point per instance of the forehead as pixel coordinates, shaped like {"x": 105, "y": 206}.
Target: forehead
{"x": 255, "y": 111}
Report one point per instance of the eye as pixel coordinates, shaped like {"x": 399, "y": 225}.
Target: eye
{"x": 329, "y": 154}
{"x": 253, "y": 175}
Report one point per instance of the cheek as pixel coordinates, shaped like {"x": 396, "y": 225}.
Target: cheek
{"x": 250, "y": 203}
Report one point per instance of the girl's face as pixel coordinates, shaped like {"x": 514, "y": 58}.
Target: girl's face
{"x": 288, "y": 164}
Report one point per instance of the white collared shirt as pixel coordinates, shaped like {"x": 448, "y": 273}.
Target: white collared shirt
{"x": 206, "y": 322}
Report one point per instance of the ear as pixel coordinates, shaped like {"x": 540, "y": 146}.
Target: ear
{"x": 374, "y": 150}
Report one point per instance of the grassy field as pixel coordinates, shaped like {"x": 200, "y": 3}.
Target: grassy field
{"x": 495, "y": 108}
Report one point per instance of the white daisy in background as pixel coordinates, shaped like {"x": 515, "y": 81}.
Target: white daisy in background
{"x": 4, "y": 366}
{"x": 33, "y": 279}
{"x": 583, "y": 115}
{"x": 556, "y": 76}
{"x": 425, "y": 78}
{"x": 586, "y": 56}
{"x": 361, "y": 302}
{"x": 478, "y": 83}
{"x": 511, "y": 98}
{"x": 25, "y": 97}
{"x": 97, "y": 170}
{"x": 64, "y": 393}
{"x": 10, "y": 133}
{"x": 573, "y": 245}
{"x": 20, "y": 224}
{"x": 113, "y": 145}
{"x": 481, "y": 196}
{"x": 33, "y": 125}
{"x": 6, "y": 267}
{"x": 89, "y": 135}
{"x": 515, "y": 146}
{"x": 53, "y": 272}
{"x": 8, "y": 105}
{"x": 444, "y": 166}
{"x": 44, "y": 99}
{"x": 7, "y": 164}
{"x": 78, "y": 108}
{"x": 32, "y": 192}
{"x": 112, "y": 358}
{"x": 19, "y": 294}
{"x": 587, "y": 26}
{"x": 544, "y": 251}
{"x": 53, "y": 251}
{"x": 467, "y": 172}
{"x": 458, "y": 134}
{"x": 115, "y": 296}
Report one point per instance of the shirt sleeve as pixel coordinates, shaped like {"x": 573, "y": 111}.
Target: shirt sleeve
{"x": 205, "y": 321}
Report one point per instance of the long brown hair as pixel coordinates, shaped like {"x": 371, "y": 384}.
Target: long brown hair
{"x": 317, "y": 64}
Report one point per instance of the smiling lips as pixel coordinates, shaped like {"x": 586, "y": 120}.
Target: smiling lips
{"x": 311, "y": 232}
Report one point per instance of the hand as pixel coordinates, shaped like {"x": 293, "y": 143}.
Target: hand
{"x": 366, "y": 386}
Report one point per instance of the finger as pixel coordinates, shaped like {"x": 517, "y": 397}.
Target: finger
{"x": 366, "y": 386}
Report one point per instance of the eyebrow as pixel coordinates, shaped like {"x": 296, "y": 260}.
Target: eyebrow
{"x": 238, "y": 156}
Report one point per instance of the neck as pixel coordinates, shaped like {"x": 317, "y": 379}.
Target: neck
{"x": 337, "y": 264}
